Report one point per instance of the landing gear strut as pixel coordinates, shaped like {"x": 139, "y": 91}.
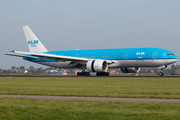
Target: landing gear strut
{"x": 83, "y": 74}
{"x": 102, "y": 74}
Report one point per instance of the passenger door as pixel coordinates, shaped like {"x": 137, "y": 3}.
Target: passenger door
{"x": 126, "y": 56}
{"x": 154, "y": 56}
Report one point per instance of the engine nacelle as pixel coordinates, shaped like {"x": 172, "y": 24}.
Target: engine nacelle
{"x": 97, "y": 66}
{"x": 130, "y": 69}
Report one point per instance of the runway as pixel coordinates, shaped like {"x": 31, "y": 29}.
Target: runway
{"x": 92, "y": 98}
{"x": 171, "y": 76}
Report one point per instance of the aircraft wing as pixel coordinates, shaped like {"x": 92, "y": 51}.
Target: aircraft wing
{"x": 20, "y": 55}
{"x": 48, "y": 56}
{"x": 52, "y": 56}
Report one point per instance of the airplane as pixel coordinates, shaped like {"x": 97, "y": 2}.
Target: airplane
{"x": 129, "y": 60}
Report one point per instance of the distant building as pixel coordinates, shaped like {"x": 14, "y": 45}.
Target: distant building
{"x": 177, "y": 71}
{"x": 25, "y": 71}
{"x": 152, "y": 71}
{"x": 51, "y": 71}
{"x": 64, "y": 73}
{"x": 16, "y": 70}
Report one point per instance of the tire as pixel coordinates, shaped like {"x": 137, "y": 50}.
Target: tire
{"x": 161, "y": 73}
{"x": 83, "y": 74}
{"x": 87, "y": 74}
{"x": 102, "y": 74}
{"x": 78, "y": 74}
{"x": 107, "y": 74}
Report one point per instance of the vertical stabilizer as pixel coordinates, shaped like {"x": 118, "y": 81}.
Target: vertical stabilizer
{"x": 33, "y": 42}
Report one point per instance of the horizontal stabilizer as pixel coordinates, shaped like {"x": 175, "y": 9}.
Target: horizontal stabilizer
{"x": 21, "y": 52}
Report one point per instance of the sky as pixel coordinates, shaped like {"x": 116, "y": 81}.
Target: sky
{"x": 87, "y": 24}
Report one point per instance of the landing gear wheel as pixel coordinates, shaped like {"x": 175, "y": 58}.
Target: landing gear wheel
{"x": 161, "y": 73}
{"x": 102, "y": 74}
{"x": 83, "y": 74}
{"x": 78, "y": 74}
{"x": 87, "y": 74}
{"x": 162, "y": 70}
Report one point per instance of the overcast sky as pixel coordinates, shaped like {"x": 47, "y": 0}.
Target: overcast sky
{"x": 86, "y": 24}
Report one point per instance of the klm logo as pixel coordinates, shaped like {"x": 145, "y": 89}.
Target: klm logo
{"x": 33, "y": 43}
{"x": 140, "y": 53}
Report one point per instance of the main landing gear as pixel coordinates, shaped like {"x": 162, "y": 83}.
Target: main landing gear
{"x": 88, "y": 74}
{"x": 83, "y": 74}
{"x": 102, "y": 74}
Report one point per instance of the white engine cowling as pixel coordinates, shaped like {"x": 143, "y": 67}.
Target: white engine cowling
{"x": 97, "y": 66}
{"x": 130, "y": 69}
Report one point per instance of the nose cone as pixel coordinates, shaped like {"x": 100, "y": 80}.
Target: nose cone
{"x": 175, "y": 58}
{"x": 172, "y": 60}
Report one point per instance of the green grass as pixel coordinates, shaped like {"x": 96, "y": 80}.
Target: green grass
{"x": 85, "y": 86}
{"x": 22, "y": 108}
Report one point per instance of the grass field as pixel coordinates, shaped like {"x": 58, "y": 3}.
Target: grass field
{"x": 21, "y": 108}
{"x": 100, "y": 86}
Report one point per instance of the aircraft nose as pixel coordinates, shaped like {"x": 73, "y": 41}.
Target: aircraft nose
{"x": 176, "y": 58}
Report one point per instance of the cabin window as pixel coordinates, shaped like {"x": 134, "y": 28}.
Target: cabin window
{"x": 170, "y": 54}
{"x": 102, "y": 56}
{"x": 115, "y": 56}
{"x": 140, "y": 55}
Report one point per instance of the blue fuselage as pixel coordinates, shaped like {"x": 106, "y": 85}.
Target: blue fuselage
{"x": 127, "y": 57}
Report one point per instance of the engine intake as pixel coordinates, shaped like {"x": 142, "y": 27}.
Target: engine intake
{"x": 97, "y": 66}
{"x": 130, "y": 69}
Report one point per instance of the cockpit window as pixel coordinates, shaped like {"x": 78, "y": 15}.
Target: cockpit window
{"x": 170, "y": 54}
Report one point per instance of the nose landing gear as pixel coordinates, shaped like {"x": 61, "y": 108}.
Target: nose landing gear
{"x": 161, "y": 73}
{"x": 162, "y": 70}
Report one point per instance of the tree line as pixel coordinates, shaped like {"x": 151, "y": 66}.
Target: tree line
{"x": 172, "y": 69}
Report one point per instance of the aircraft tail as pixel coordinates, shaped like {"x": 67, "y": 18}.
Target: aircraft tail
{"x": 33, "y": 42}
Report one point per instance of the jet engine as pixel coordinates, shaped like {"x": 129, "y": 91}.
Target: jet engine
{"x": 97, "y": 66}
{"x": 130, "y": 69}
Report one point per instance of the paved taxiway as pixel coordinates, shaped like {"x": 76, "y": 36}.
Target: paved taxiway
{"x": 92, "y": 98}
{"x": 83, "y": 76}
